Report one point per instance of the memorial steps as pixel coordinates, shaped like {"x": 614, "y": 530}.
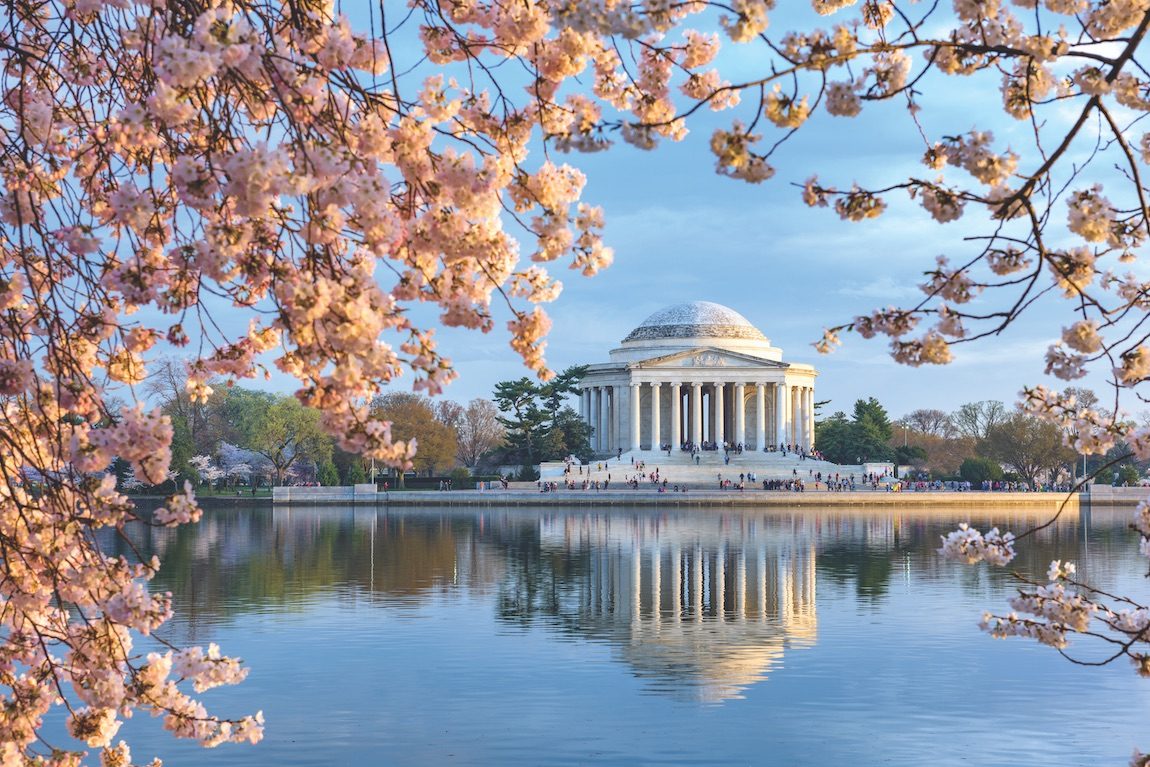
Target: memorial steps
{"x": 680, "y": 468}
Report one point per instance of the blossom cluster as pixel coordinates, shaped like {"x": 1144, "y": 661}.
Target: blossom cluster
{"x": 1054, "y": 609}
{"x": 1087, "y": 430}
{"x": 968, "y": 545}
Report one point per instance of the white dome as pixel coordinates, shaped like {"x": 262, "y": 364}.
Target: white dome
{"x": 695, "y": 319}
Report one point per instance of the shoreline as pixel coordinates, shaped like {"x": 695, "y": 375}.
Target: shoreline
{"x": 695, "y": 498}
{"x": 1098, "y": 497}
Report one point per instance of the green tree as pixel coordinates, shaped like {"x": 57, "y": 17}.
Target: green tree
{"x": 910, "y": 455}
{"x": 201, "y": 423}
{"x": 834, "y": 439}
{"x": 553, "y": 394}
{"x": 277, "y": 427}
{"x": 183, "y": 448}
{"x": 539, "y": 426}
{"x": 355, "y": 473}
{"x": 523, "y": 419}
{"x": 865, "y": 437}
{"x": 1129, "y": 475}
{"x": 574, "y": 435}
{"x": 871, "y": 432}
{"x": 978, "y": 470}
{"x": 328, "y": 474}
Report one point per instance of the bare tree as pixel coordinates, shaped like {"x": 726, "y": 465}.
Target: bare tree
{"x": 167, "y": 387}
{"x": 1086, "y": 398}
{"x": 479, "y": 431}
{"x": 930, "y": 421}
{"x": 448, "y": 412}
{"x": 976, "y": 419}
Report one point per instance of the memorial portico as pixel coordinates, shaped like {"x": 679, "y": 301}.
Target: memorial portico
{"x": 698, "y": 373}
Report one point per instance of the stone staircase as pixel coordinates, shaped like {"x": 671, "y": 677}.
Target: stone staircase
{"x": 680, "y": 468}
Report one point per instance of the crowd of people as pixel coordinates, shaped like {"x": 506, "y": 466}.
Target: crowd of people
{"x": 830, "y": 483}
{"x": 730, "y": 449}
{"x": 637, "y": 475}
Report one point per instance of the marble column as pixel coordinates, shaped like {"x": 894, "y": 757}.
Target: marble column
{"x": 676, "y": 416}
{"x": 761, "y": 440}
{"x": 740, "y": 414}
{"x": 805, "y": 408}
{"x": 696, "y": 413}
{"x": 719, "y": 432}
{"x": 806, "y": 417}
{"x": 800, "y": 417}
{"x": 808, "y": 403}
{"x": 811, "y": 417}
{"x": 773, "y": 418}
{"x": 795, "y": 416}
{"x": 634, "y": 417}
{"x": 595, "y": 421}
{"x": 606, "y": 413}
{"x": 618, "y": 427}
{"x": 656, "y": 436}
{"x": 781, "y": 397}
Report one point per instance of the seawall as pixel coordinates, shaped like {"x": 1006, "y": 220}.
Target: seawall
{"x": 366, "y": 495}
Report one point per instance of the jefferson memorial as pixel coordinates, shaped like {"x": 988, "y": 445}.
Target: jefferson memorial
{"x": 698, "y": 372}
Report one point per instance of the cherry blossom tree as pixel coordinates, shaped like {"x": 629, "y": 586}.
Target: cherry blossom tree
{"x": 167, "y": 167}
{"x": 170, "y": 166}
{"x": 207, "y": 469}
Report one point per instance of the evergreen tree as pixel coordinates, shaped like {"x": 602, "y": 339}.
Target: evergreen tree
{"x": 539, "y": 426}
{"x": 834, "y": 438}
{"x": 355, "y": 473}
{"x": 865, "y": 437}
{"x": 328, "y": 475}
{"x": 977, "y": 470}
{"x": 871, "y": 432}
{"x": 524, "y": 419}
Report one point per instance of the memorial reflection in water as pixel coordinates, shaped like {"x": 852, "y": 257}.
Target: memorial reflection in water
{"x": 696, "y": 605}
{"x": 701, "y": 610}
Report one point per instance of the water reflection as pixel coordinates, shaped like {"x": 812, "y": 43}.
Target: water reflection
{"x": 694, "y": 606}
{"x": 698, "y": 605}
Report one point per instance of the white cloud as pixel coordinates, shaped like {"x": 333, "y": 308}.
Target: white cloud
{"x": 882, "y": 288}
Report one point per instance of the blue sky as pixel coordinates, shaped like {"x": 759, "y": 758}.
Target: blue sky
{"x": 680, "y": 233}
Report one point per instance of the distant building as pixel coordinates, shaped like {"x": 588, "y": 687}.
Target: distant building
{"x": 701, "y": 373}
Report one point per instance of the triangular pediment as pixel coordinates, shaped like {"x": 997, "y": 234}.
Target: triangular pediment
{"x": 707, "y": 357}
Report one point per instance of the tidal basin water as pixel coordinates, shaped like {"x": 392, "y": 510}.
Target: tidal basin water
{"x": 708, "y": 637}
